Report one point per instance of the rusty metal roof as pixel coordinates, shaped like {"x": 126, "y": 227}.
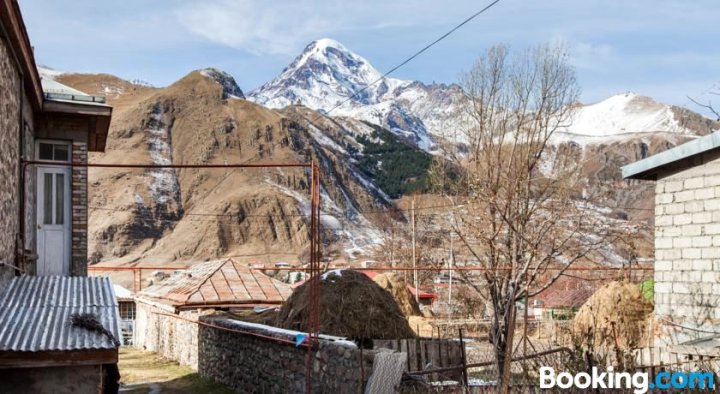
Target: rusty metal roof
{"x": 220, "y": 282}
{"x": 35, "y": 313}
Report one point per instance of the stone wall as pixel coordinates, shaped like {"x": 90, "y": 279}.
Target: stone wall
{"x": 169, "y": 336}
{"x": 687, "y": 250}
{"x": 10, "y": 107}
{"x": 248, "y": 363}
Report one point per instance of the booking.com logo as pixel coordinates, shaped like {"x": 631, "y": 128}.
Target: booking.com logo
{"x": 639, "y": 382}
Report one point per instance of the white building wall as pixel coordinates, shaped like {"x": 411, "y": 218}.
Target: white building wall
{"x": 687, "y": 252}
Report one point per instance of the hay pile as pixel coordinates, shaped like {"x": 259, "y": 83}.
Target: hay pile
{"x": 351, "y": 305}
{"x": 396, "y": 286}
{"x": 615, "y": 317}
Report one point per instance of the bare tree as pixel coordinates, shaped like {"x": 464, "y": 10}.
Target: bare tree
{"x": 523, "y": 209}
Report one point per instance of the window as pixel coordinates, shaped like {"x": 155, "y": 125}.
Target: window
{"x": 127, "y": 310}
{"x": 54, "y": 151}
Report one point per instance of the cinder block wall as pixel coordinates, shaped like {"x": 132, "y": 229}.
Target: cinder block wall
{"x": 687, "y": 251}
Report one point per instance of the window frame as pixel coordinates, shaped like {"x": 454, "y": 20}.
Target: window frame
{"x": 53, "y": 142}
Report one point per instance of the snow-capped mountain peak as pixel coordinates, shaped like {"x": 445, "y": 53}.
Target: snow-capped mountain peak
{"x": 327, "y": 75}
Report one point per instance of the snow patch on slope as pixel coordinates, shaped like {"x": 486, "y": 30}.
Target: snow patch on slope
{"x": 164, "y": 186}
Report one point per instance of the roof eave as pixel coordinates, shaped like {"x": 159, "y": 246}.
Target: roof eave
{"x": 97, "y": 135}
{"x": 678, "y": 157}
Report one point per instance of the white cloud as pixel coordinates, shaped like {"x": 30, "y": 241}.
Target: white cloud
{"x": 284, "y": 26}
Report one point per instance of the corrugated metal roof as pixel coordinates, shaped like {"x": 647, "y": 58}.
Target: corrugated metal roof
{"x": 220, "y": 282}
{"x": 122, "y": 294}
{"x": 55, "y": 91}
{"x": 35, "y": 313}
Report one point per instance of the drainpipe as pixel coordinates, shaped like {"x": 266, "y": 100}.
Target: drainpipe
{"x": 20, "y": 239}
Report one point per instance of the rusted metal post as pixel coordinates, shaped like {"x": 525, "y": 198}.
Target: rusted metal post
{"x": 463, "y": 357}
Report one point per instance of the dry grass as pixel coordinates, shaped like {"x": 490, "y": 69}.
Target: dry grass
{"x": 146, "y": 372}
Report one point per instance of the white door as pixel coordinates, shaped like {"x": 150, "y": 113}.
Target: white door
{"x": 53, "y": 218}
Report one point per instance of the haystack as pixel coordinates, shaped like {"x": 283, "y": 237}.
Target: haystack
{"x": 615, "y": 316}
{"x": 396, "y": 286}
{"x": 351, "y": 305}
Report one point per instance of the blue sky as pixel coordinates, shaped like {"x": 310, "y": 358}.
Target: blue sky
{"x": 664, "y": 49}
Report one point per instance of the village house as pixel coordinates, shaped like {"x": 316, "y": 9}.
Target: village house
{"x": 167, "y": 312}
{"x": 687, "y": 240}
{"x": 44, "y": 127}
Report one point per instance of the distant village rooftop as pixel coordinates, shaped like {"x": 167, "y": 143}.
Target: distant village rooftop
{"x": 683, "y": 156}
{"x": 219, "y": 283}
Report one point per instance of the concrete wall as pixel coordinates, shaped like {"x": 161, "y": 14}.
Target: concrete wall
{"x": 86, "y": 379}
{"x": 247, "y": 363}
{"x": 172, "y": 338}
{"x": 687, "y": 251}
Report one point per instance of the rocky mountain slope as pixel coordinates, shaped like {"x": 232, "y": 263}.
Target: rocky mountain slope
{"x": 164, "y": 215}
{"x": 375, "y": 148}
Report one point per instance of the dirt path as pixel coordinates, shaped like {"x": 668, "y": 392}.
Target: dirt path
{"x": 144, "y": 372}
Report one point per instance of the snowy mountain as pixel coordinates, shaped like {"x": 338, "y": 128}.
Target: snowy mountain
{"x": 627, "y": 116}
{"x": 327, "y": 76}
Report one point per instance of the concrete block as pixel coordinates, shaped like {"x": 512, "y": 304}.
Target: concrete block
{"x": 681, "y": 219}
{"x": 705, "y": 193}
{"x": 702, "y": 265}
{"x": 680, "y": 242}
{"x": 702, "y": 217}
{"x": 663, "y": 220}
{"x": 664, "y": 265}
{"x": 694, "y": 183}
{"x": 712, "y": 180}
{"x": 713, "y": 228}
{"x": 691, "y": 253}
{"x": 679, "y": 266}
{"x": 668, "y": 231}
{"x": 694, "y": 206}
{"x": 702, "y": 242}
{"x": 672, "y": 186}
{"x": 663, "y": 198}
{"x": 685, "y": 195}
{"x": 691, "y": 230}
{"x": 680, "y": 288}
{"x": 673, "y": 209}
{"x": 663, "y": 287}
{"x": 668, "y": 254}
{"x": 712, "y": 204}
{"x": 664, "y": 243}
{"x": 710, "y": 253}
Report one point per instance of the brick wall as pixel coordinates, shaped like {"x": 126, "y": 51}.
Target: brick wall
{"x": 79, "y": 210}
{"x": 687, "y": 251}
{"x": 10, "y": 105}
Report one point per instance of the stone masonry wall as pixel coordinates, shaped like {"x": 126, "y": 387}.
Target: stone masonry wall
{"x": 687, "y": 251}
{"x": 247, "y": 363}
{"x": 10, "y": 106}
{"x": 169, "y": 336}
